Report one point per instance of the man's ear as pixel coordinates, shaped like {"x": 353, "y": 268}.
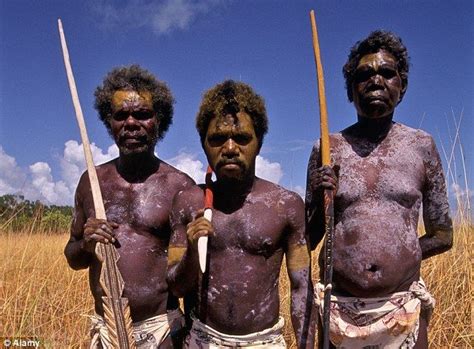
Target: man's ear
{"x": 402, "y": 92}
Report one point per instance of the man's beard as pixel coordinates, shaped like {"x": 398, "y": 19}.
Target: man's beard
{"x": 145, "y": 144}
{"x": 236, "y": 179}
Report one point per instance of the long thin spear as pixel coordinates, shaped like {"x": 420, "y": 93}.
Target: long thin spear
{"x": 116, "y": 309}
{"x": 328, "y": 194}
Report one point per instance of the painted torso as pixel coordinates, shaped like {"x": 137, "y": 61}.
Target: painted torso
{"x": 376, "y": 211}
{"x": 142, "y": 212}
{"x": 245, "y": 256}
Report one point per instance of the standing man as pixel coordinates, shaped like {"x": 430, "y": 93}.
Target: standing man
{"x": 255, "y": 223}
{"x": 385, "y": 172}
{"x": 137, "y": 188}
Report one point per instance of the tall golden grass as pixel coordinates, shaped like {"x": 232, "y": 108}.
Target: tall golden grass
{"x": 40, "y": 296}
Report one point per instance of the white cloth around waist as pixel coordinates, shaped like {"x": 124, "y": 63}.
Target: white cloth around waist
{"x": 204, "y": 336}
{"x": 379, "y": 322}
{"x": 148, "y": 334}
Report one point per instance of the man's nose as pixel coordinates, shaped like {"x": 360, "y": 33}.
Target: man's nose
{"x": 377, "y": 79}
{"x": 131, "y": 122}
{"x": 230, "y": 148}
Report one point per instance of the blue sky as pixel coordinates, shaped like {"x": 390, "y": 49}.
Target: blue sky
{"x": 193, "y": 45}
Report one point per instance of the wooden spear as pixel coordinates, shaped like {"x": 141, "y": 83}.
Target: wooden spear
{"x": 208, "y": 202}
{"x": 328, "y": 194}
{"x": 116, "y": 309}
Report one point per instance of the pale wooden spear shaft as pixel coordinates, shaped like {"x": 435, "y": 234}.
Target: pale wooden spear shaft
{"x": 116, "y": 310}
{"x": 208, "y": 203}
{"x": 328, "y": 194}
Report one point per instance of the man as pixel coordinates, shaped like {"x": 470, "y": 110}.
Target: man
{"x": 254, "y": 224}
{"x": 386, "y": 172}
{"x": 137, "y": 189}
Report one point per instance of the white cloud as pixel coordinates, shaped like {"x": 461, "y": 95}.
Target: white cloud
{"x": 460, "y": 192}
{"x": 161, "y": 16}
{"x": 49, "y": 191}
{"x": 190, "y": 165}
{"x": 12, "y": 177}
{"x": 73, "y": 164}
{"x": 37, "y": 182}
{"x": 270, "y": 171}
{"x": 299, "y": 190}
{"x": 462, "y": 196}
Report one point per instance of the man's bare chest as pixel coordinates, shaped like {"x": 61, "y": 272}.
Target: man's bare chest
{"x": 260, "y": 232}
{"x": 388, "y": 173}
{"x": 141, "y": 206}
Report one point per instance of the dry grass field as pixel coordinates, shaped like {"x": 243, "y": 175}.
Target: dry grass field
{"x": 40, "y": 296}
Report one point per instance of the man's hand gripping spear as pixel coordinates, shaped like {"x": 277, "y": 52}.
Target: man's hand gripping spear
{"x": 116, "y": 309}
{"x": 328, "y": 194}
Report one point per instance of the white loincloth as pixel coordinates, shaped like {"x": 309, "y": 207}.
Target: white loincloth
{"x": 202, "y": 336}
{"x": 389, "y": 322}
{"x": 148, "y": 334}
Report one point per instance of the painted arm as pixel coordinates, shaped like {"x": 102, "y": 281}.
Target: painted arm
{"x": 187, "y": 224}
{"x": 318, "y": 179}
{"x": 438, "y": 236}
{"x": 298, "y": 262}
{"x": 76, "y": 254}
{"x": 86, "y": 232}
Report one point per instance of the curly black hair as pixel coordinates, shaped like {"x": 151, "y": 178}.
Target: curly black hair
{"x": 135, "y": 78}
{"x": 376, "y": 41}
{"x": 230, "y": 97}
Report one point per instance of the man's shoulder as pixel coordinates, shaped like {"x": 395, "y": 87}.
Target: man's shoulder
{"x": 104, "y": 169}
{"x": 190, "y": 194}
{"x": 334, "y": 138}
{"x": 417, "y": 136}
{"x": 410, "y": 130}
{"x": 171, "y": 173}
{"x": 275, "y": 191}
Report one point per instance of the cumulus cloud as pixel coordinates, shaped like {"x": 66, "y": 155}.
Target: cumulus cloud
{"x": 461, "y": 192}
{"x": 37, "y": 183}
{"x": 72, "y": 162}
{"x": 45, "y": 188}
{"x": 271, "y": 171}
{"x": 160, "y": 16}
{"x": 190, "y": 165}
{"x": 462, "y": 196}
{"x": 12, "y": 177}
{"x": 299, "y": 190}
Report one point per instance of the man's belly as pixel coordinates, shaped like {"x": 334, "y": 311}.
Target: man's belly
{"x": 375, "y": 255}
{"x": 241, "y": 298}
{"x": 144, "y": 285}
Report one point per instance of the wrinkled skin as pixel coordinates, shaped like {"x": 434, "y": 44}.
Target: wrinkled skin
{"x": 254, "y": 224}
{"x": 383, "y": 173}
{"x": 137, "y": 190}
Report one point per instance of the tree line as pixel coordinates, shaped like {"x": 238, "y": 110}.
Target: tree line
{"x": 19, "y": 214}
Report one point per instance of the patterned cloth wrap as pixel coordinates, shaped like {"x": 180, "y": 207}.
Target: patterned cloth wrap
{"x": 202, "y": 336}
{"x": 385, "y": 322}
{"x": 148, "y": 334}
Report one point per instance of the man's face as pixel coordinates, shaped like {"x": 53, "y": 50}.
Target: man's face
{"x": 377, "y": 85}
{"x": 231, "y": 147}
{"x": 133, "y": 122}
